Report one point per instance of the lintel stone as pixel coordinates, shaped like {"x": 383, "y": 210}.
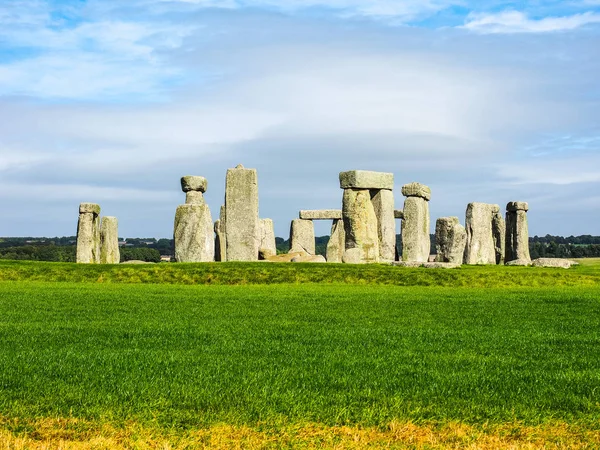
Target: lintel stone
{"x": 89, "y": 208}
{"x": 365, "y": 179}
{"x": 517, "y": 206}
{"x": 416, "y": 190}
{"x": 398, "y": 214}
{"x": 321, "y": 214}
{"x": 193, "y": 183}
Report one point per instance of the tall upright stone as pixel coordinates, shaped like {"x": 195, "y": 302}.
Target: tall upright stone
{"x": 88, "y": 234}
{"x": 483, "y": 233}
{"x": 109, "y": 241}
{"x": 267, "y": 246}
{"x": 450, "y": 240}
{"x": 220, "y": 243}
{"x": 241, "y": 206}
{"x": 499, "y": 233}
{"x": 517, "y": 232}
{"x": 194, "y": 230}
{"x": 302, "y": 236}
{"x": 416, "y": 243}
{"x": 337, "y": 242}
{"x": 368, "y": 215}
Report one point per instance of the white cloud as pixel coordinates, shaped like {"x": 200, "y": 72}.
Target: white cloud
{"x": 518, "y": 22}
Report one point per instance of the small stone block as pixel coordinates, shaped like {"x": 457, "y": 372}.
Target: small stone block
{"x": 517, "y": 206}
{"x": 416, "y": 190}
{"x": 365, "y": 179}
{"x": 398, "y": 214}
{"x": 321, "y": 214}
{"x": 193, "y": 183}
{"x": 89, "y": 208}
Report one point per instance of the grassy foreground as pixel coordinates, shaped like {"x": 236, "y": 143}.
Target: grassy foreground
{"x": 97, "y": 364}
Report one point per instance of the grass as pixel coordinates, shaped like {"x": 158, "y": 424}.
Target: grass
{"x": 131, "y": 362}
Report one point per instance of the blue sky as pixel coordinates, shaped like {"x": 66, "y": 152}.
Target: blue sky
{"x": 111, "y": 102}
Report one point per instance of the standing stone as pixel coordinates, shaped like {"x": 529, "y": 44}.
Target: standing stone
{"x": 194, "y": 230}
{"x": 337, "y": 242}
{"x": 416, "y": 243}
{"x": 383, "y": 203}
{"x": 220, "y": 244}
{"x": 483, "y": 229}
{"x": 88, "y": 234}
{"x": 302, "y": 236}
{"x": 517, "y": 232}
{"x": 360, "y": 226}
{"x": 109, "y": 241}
{"x": 241, "y": 206}
{"x": 267, "y": 239}
{"x": 499, "y": 233}
{"x": 450, "y": 240}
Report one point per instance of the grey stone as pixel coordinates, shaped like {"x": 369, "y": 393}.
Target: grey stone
{"x": 337, "y": 242}
{"x": 321, "y": 214}
{"x": 517, "y": 232}
{"x": 416, "y": 243}
{"x": 519, "y": 262}
{"x": 309, "y": 259}
{"x": 499, "y": 233}
{"x": 193, "y": 234}
{"x": 194, "y": 198}
{"x": 427, "y": 265}
{"x": 398, "y": 214}
{"x": 220, "y": 244}
{"x": 302, "y": 236}
{"x": 483, "y": 233}
{"x": 88, "y": 234}
{"x": 364, "y": 179}
{"x": 194, "y": 183}
{"x": 416, "y": 190}
{"x": 267, "y": 245}
{"x": 136, "y": 261}
{"x": 361, "y": 227}
{"x": 286, "y": 257}
{"x": 450, "y": 240}
{"x": 241, "y": 206}
{"x": 553, "y": 262}
{"x": 109, "y": 241}
{"x": 383, "y": 204}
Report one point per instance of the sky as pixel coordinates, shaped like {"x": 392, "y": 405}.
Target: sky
{"x": 111, "y": 102}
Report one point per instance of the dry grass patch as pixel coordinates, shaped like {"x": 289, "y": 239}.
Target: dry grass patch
{"x": 74, "y": 434}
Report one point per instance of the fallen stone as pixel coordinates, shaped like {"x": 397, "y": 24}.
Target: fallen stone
{"x": 553, "y": 262}
{"x": 287, "y": 257}
{"x": 136, "y": 261}
{"x": 416, "y": 243}
{"x": 383, "y": 204}
{"x": 481, "y": 240}
{"x": 302, "y": 236}
{"x": 321, "y": 214}
{"x": 427, "y": 265}
{"x": 309, "y": 259}
{"x": 337, "y": 242}
{"x": 193, "y": 234}
{"x": 88, "y": 234}
{"x": 450, "y": 239}
{"x": 518, "y": 262}
{"x": 267, "y": 246}
{"x": 364, "y": 179}
{"x": 416, "y": 190}
{"x": 517, "y": 232}
{"x": 109, "y": 241}
{"x": 265, "y": 253}
{"x": 361, "y": 227}
{"x": 241, "y": 206}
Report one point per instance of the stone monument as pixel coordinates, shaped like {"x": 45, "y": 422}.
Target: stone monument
{"x": 415, "y": 223}
{"x": 517, "y": 233}
{"x": 450, "y": 240}
{"x": 88, "y": 234}
{"x": 109, "y": 241}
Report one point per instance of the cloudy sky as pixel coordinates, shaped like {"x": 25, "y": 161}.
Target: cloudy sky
{"x": 112, "y": 101}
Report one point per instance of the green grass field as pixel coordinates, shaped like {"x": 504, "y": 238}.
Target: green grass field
{"x": 277, "y": 347}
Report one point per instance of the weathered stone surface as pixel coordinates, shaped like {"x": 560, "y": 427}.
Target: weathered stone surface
{"x": 427, "y": 265}
{"x": 365, "y": 179}
{"x": 241, "y": 205}
{"x": 109, "y": 241}
{"x": 302, "y": 236}
{"x": 337, "y": 242}
{"x": 553, "y": 262}
{"x": 265, "y": 253}
{"x": 193, "y": 234}
{"x": 286, "y": 257}
{"x": 321, "y": 214}
{"x": 450, "y": 240}
{"x": 93, "y": 208}
{"x": 194, "y": 198}
{"x": 136, "y": 261}
{"x": 267, "y": 245}
{"x": 383, "y": 204}
{"x": 194, "y": 183}
{"x": 220, "y": 244}
{"x": 309, "y": 259}
{"x": 88, "y": 234}
{"x": 415, "y": 230}
{"x": 499, "y": 233}
{"x": 519, "y": 262}
{"x": 398, "y": 214}
{"x": 361, "y": 227}
{"x": 517, "y": 232}
{"x": 483, "y": 233}
{"x": 416, "y": 190}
